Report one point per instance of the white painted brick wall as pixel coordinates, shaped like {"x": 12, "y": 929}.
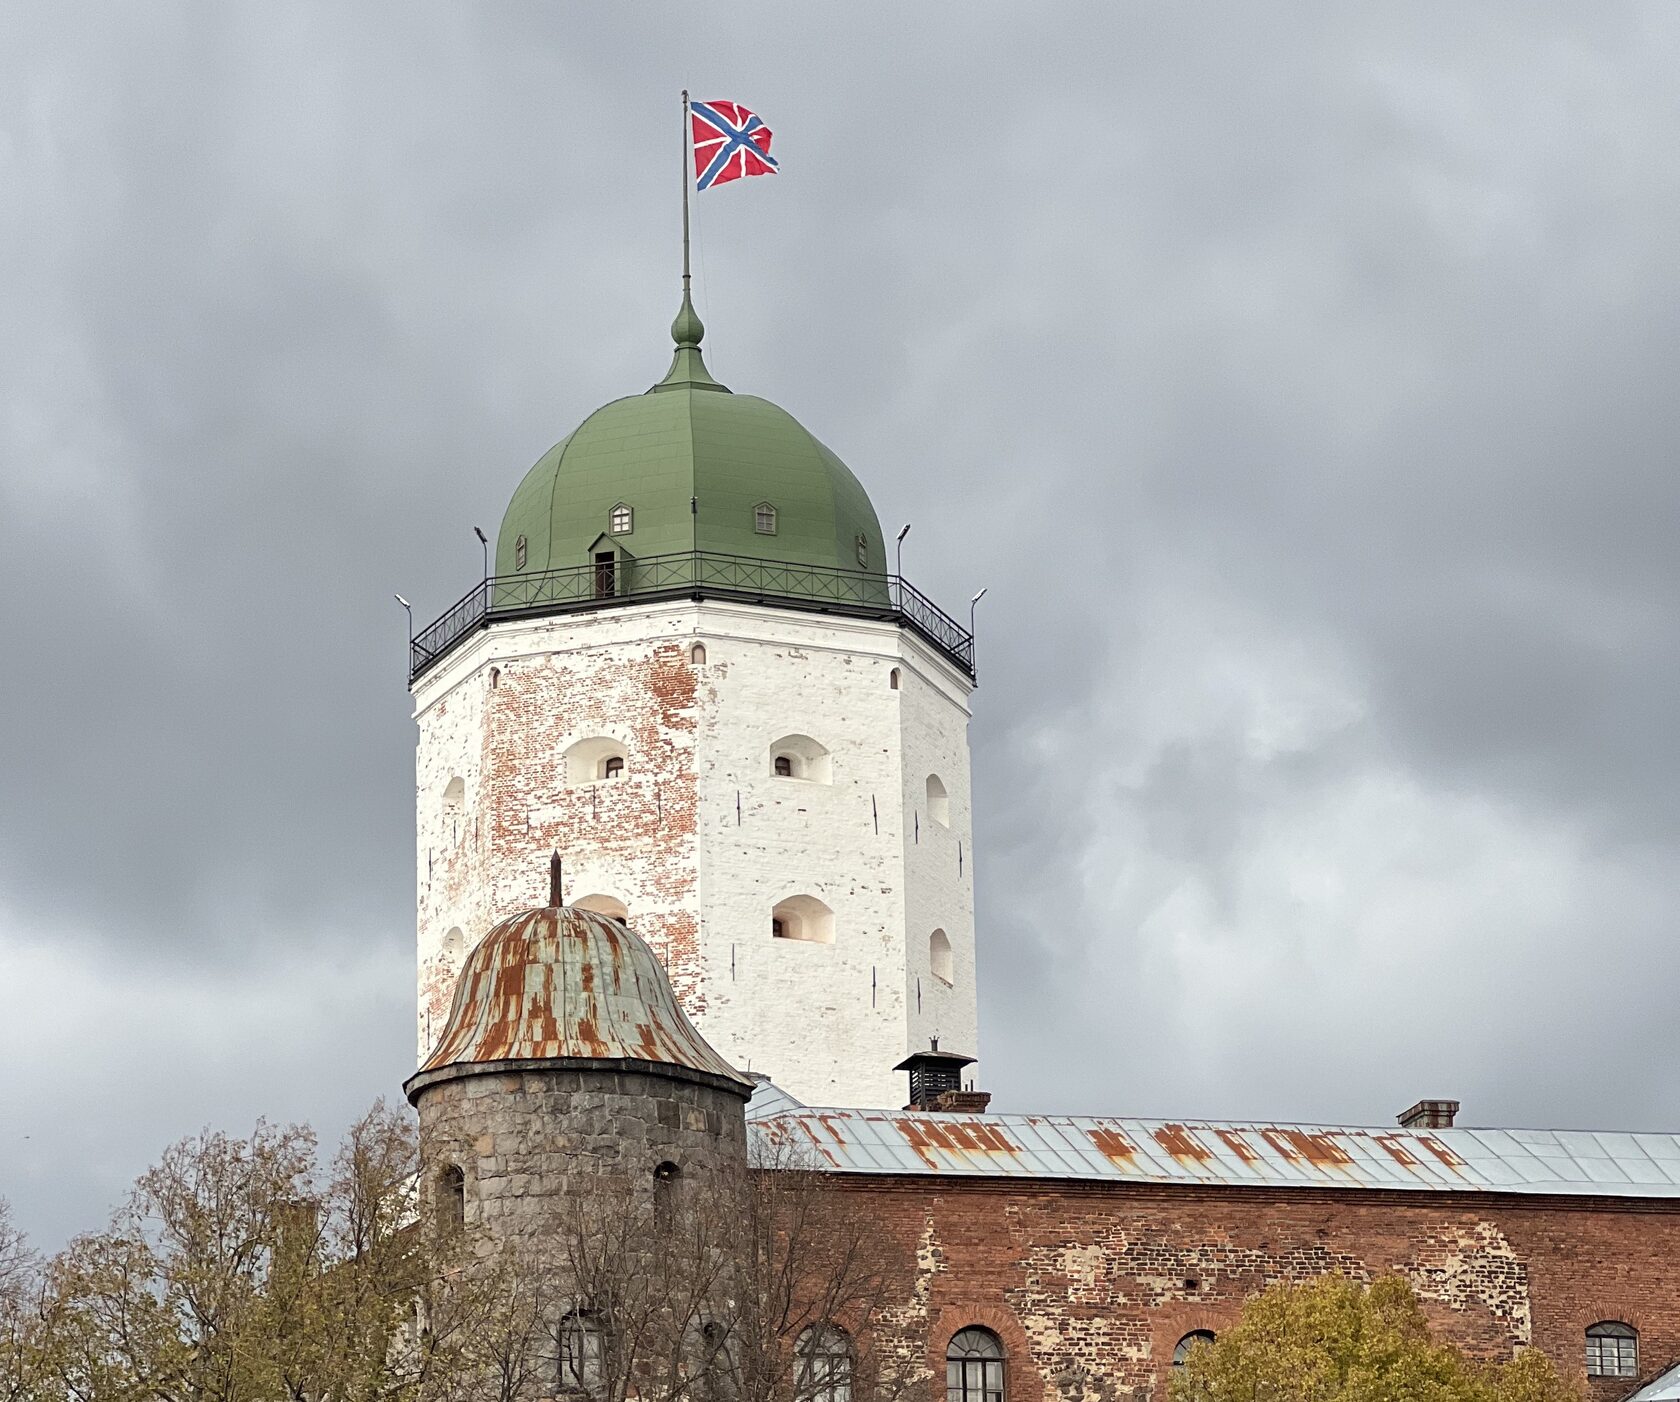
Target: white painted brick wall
{"x": 701, "y": 839}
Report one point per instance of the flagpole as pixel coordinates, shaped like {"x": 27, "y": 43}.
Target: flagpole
{"x": 685, "y": 193}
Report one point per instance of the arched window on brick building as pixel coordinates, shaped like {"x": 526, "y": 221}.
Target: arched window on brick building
{"x": 1191, "y": 1341}
{"x": 802, "y": 918}
{"x": 454, "y": 807}
{"x": 801, "y": 757}
{"x": 974, "y": 1366}
{"x": 1612, "y": 1350}
{"x": 825, "y": 1364}
{"x": 940, "y": 959}
{"x": 596, "y": 759}
{"x": 938, "y": 801}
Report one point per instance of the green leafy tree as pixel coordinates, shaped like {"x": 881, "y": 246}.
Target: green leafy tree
{"x": 1336, "y": 1340}
{"x": 239, "y": 1270}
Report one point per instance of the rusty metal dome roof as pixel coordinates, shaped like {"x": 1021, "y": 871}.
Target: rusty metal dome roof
{"x": 567, "y": 984}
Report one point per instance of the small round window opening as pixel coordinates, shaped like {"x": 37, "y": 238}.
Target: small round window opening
{"x": 619, "y": 520}
{"x": 764, "y": 518}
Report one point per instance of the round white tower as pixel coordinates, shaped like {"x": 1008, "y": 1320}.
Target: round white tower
{"x": 692, "y": 676}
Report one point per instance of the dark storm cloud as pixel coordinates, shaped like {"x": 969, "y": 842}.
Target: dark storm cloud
{"x": 1297, "y": 381}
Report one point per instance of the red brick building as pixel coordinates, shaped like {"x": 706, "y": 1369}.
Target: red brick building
{"x": 1097, "y": 1248}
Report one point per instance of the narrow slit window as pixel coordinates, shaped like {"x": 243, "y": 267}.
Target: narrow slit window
{"x": 452, "y": 1200}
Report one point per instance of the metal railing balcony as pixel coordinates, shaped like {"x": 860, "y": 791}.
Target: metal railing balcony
{"x": 695, "y": 574}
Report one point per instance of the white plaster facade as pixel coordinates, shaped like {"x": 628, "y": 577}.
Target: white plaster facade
{"x": 700, "y": 838}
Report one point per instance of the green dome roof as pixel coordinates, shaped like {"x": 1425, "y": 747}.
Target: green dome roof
{"x": 694, "y": 463}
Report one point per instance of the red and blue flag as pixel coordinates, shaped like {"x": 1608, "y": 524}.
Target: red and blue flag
{"x": 729, "y": 142}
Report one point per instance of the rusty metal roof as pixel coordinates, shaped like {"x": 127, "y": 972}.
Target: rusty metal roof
{"x": 566, "y": 983}
{"x": 1595, "y": 1164}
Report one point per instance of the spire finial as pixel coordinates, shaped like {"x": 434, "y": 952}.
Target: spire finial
{"x": 687, "y": 330}
{"x": 556, "y": 881}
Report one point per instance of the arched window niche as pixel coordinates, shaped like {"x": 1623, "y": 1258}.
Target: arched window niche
{"x": 801, "y": 757}
{"x": 804, "y": 919}
{"x": 697, "y": 655}
{"x": 454, "y": 945}
{"x": 893, "y": 678}
{"x": 603, "y": 904}
{"x": 667, "y": 1183}
{"x": 938, "y": 801}
{"x": 454, "y": 807}
{"x": 599, "y": 759}
{"x": 940, "y": 959}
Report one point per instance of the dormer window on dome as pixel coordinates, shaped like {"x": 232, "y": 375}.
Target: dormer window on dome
{"x": 764, "y": 518}
{"x": 619, "y": 520}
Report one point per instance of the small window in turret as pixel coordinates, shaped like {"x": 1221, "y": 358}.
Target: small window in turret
{"x": 452, "y": 1200}
{"x": 764, "y": 518}
{"x": 618, "y": 520}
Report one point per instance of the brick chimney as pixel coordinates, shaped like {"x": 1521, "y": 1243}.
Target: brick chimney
{"x": 1430, "y": 1114}
{"x": 936, "y": 1083}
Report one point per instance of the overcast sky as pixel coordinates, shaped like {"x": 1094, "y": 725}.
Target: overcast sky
{"x": 1300, "y": 380}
